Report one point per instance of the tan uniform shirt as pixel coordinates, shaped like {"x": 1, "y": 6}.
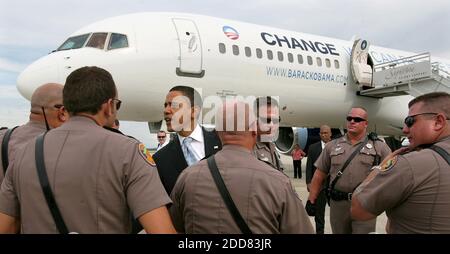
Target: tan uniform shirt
{"x": 20, "y": 136}
{"x": 267, "y": 152}
{"x": 2, "y": 134}
{"x": 97, "y": 177}
{"x": 336, "y": 153}
{"x": 264, "y": 197}
{"x": 414, "y": 190}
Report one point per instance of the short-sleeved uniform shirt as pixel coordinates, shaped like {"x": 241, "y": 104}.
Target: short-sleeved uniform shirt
{"x": 414, "y": 190}
{"x": 267, "y": 152}
{"x": 20, "y": 136}
{"x": 336, "y": 153}
{"x": 97, "y": 178}
{"x": 264, "y": 197}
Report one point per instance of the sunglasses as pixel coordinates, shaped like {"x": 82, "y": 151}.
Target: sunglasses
{"x": 410, "y": 120}
{"x": 58, "y": 106}
{"x": 270, "y": 120}
{"x": 161, "y": 136}
{"x": 355, "y": 119}
{"x": 118, "y": 104}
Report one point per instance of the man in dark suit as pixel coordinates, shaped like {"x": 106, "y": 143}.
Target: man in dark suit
{"x": 192, "y": 143}
{"x": 313, "y": 153}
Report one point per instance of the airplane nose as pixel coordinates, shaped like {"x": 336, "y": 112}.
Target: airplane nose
{"x": 44, "y": 70}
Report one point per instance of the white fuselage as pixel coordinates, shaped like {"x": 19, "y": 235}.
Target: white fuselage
{"x": 310, "y": 95}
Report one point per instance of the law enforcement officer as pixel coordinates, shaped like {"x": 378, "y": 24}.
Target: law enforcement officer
{"x": 268, "y": 122}
{"x": 343, "y": 181}
{"x": 413, "y": 186}
{"x": 264, "y": 197}
{"x": 97, "y": 176}
{"x": 46, "y": 111}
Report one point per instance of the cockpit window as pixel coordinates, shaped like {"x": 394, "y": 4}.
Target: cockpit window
{"x": 74, "y": 42}
{"x": 97, "y": 40}
{"x": 118, "y": 41}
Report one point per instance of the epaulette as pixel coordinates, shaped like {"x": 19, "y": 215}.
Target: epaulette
{"x": 119, "y": 132}
{"x": 3, "y": 128}
{"x": 112, "y": 129}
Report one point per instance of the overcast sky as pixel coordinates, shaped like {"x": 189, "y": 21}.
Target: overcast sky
{"x": 31, "y": 29}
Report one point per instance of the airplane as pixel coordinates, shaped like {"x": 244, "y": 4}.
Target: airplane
{"x": 317, "y": 79}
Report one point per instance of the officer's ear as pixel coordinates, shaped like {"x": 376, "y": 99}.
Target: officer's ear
{"x": 110, "y": 107}
{"x": 253, "y": 128}
{"x": 441, "y": 121}
{"x": 254, "y": 133}
{"x": 62, "y": 117}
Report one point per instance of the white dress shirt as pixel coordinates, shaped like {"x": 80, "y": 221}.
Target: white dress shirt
{"x": 161, "y": 146}
{"x": 198, "y": 142}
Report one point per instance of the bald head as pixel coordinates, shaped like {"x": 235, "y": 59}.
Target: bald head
{"x": 46, "y": 96}
{"x": 48, "y": 99}
{"x": 234, "y": 116}
{"x": 236, "y": 124}
{"x": 362, "y": 111}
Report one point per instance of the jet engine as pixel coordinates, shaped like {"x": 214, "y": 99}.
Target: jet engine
{"x": 289, "y": 136}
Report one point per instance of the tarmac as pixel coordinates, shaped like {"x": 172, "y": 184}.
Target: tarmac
{"x": 300, "y": 187}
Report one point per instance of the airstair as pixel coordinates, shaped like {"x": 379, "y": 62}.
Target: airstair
{"x": 414, "y": 75}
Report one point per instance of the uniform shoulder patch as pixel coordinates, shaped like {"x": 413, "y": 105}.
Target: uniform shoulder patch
{"x": 389, "y": 164}
{"x": 146, "y": 154}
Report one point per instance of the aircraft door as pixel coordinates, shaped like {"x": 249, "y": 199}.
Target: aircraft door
{"x": 359, "y": 64}
{"x": 190, "y": 59}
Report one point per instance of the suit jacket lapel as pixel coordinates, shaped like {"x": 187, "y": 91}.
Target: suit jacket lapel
{"x": 178, "y": 153}
{"x": 211, "y": 140}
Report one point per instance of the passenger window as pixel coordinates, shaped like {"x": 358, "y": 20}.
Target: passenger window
{"x": 222, "y": 48}
{"x": 300, "y": 59}
{"x": 118, "y": 41}
{"x": 327, "y": 62}
{"x": 336, "y": 64}
{"x": 269, "y": 54}
{"x": 290, "y": 57}
{"x": 319, "y": 61}
{"x": 248, "y": 52}
{"x": 280, "y": 56}
{"x": 97, "y": 40}
{"x": 74, "y": 42}
{"x": 309, "y": 58}
{"x": 258, "y": 53}
{"x": 235, "y": 50}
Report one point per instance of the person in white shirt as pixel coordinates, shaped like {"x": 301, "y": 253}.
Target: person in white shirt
{"x": 162, "y": 137}
{"x": 192, "y": 143}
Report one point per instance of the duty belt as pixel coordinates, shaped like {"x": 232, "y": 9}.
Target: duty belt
{"x": 338, "y": 195}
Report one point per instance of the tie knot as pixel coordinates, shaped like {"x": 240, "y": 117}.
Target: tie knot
{"x": 188, "y": 151}
{"x": 187, "y": 140}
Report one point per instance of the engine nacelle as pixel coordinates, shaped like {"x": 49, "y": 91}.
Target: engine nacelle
{"x": 304, "y": 137}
